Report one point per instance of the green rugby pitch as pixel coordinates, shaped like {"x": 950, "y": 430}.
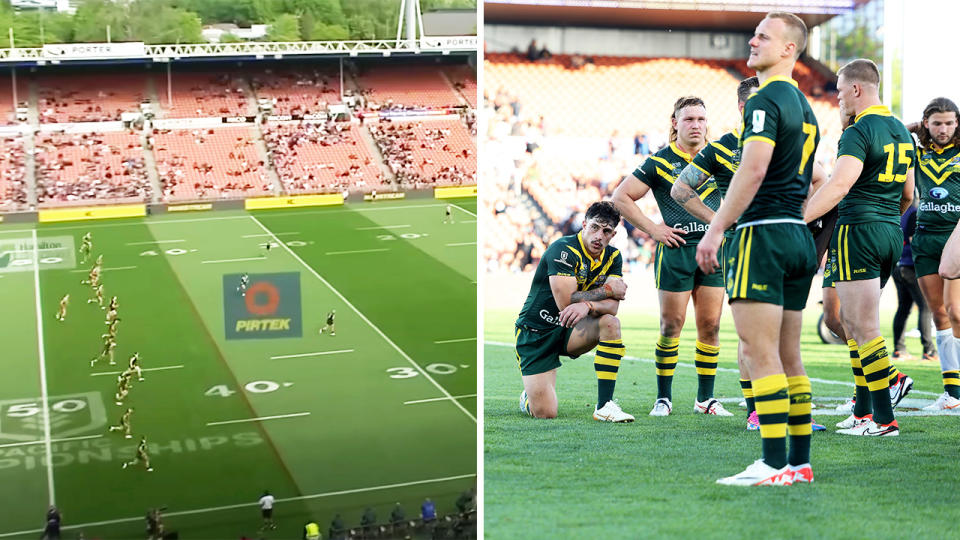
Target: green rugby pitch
{"x": 383, "y": 412}
{"x": 574, "y": 477}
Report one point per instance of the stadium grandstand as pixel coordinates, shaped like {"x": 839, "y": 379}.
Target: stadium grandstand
{"x": 296, "y": 160}
{"x": 111, "y": 133}
{"x": 578, "y": 93}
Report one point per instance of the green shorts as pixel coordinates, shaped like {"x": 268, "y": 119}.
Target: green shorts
{"x": 927, "y": 247}
{"x": 726, "y": 256}
{"x": 677, "y": 269}
{"x": 773, "y": 263}
{"x": 539, "y": 350}
{"x": 830, "y": 269}
{"x": 867, "y": 250}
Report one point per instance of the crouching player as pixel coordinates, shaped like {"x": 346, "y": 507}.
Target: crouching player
{"x": 570, "y": 310}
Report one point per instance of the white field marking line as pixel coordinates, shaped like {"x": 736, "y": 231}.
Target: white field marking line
{"x": 43, "y": 372}
{"x": 463, "y": 210}
{"x": 224, "y": 218}
{"x": 456, "y": 340}
{"x": 262, "y": 235}
{"x": 28, "y": 443}
{"x": 438, "y": 399}
{"x": 155, "y": 242}
{"x": 382, "y": 227}
{"x": 370, "y": 323}
{"x": 233, "y": 260}
{"x": 726, "y": 370}
{"x": 468, "y": 221}
{"x": 310, "y": 354}
{"x": 258, "y": 419}
{"x": 251, "y": 504}
{"x": 462, "y": 244}
{"x": 144, "y": 369}
{"x": 77, "y": 271}
{"x": 831, "y": 411}
{"x": 356, "y": 251}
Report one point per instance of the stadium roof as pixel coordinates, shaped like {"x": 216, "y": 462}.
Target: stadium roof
{"x": 450, "y": 22}
{"x": 738, "y": 15}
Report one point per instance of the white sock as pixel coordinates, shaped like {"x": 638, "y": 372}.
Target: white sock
{"x": 947, "y": 347}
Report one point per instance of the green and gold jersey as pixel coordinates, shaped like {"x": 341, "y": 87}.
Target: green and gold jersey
{"x": 779, "y": 115}
{"x": 938, "y": 181}
{"x": 720, "y": 159}
{"x": 886, "y": 149}
{"x": 566, "y": 257}
{"x": 660, "y": 171}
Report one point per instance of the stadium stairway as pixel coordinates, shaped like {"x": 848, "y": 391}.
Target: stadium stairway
{"x": 453, "y": 88}
{"x": 30, "y": 174}
{"x": 33, "y": 110}
{"x": 375, "y": 151}
{"x": 151, "y": 165}
{"x": 267, "y": 160}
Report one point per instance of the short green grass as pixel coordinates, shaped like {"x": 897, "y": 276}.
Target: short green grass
{"x": 382, "y": 266}
{"x": 573, "y": 477}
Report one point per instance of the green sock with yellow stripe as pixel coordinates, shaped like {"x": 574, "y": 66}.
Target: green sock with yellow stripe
{"x": 747, "y": 389}
{"x": 666, "y": 363}
{"x": 773, "y": 407}
{"x": 798, "y": 421}
{"x": 607, "y": 363}
{"x": 876, "y": 369}
{"x": 862, "y": 406}
{"x": 894, "y": 374}
{"x": 951, "y": 383}
{"x": 705, "y": 359}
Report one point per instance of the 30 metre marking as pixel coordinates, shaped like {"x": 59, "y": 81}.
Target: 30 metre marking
{"x": 371, "y": 325}
{"x": 43, "y": 373}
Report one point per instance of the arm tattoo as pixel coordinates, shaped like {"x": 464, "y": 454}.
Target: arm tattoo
{"x": 589, "y": 296}
{"x": 683, "y": 193}
{"x": 692, "y": 176}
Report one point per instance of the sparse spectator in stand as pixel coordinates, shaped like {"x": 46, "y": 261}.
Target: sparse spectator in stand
{"x": 533, "y": 54}
{"x": 640, "y": 146}
{"x": 577, "y": 61}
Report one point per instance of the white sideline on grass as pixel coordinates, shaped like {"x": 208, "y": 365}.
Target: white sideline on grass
{"x": 161, "y": 368}
{"x": 437, "y": 399}
{"x": 371, "y": 325}
{"x": 321, "y": 353}
{"x": 257, "y": 419}
{"x": 356, "y": 251}
{"x": 378, "y": 227}
{"x": 726, "y": 370}
{"x": 155, "y": 242}
{"x": 79, "y": 270}
{"x": 233, "y": 260}
{"x": 249, "y": 504}
{"x": 43, "y": 373}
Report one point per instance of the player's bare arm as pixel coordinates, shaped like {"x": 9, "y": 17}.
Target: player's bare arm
{"x": 743, "y": 188}
{"x": 950, "y": 260}
{"x": 906, "y": 199}
{"x": 845, "y": 175}
{"x": 684, "y": 192}
{"x": 630, "y": 190}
